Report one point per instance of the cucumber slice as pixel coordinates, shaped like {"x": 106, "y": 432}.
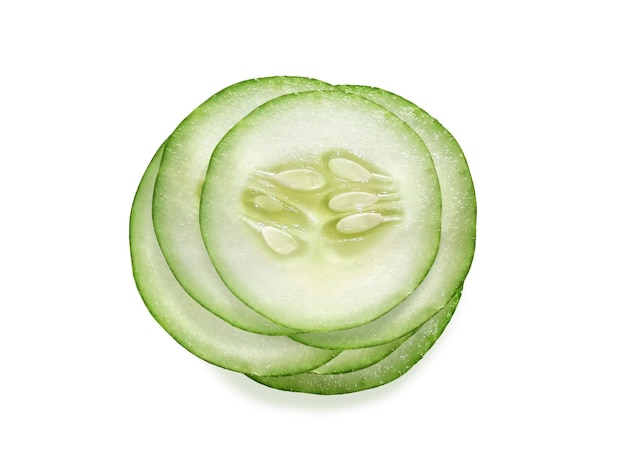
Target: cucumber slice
{"x": 177, "y": 194}
{"x": 321, "y": 210}
{"x": 194, "y": 327}
{"x": 386, "y": 370}
{"x": 458, "y": 234}
{"x": 342, "y": 220}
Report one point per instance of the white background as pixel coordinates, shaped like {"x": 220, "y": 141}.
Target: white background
{"x": 530, "y": 373}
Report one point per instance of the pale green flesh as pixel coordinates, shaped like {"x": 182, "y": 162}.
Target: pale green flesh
{"x": 458, "y": 228}
{"x": 177, "y": 196}
{"x": 386, "y": 370}
{"x": 194, "y": 327}
{"x": 322, "y": 144}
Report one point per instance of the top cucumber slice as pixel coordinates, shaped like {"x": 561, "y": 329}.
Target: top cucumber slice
{"x": 321, "y": 210}
{"x": 181, "y": 174}
{"x": 458, "y": 234}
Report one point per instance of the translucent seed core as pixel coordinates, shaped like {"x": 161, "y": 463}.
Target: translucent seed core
{"x": 358, "y": 223}
{"x": 353, "y": 200}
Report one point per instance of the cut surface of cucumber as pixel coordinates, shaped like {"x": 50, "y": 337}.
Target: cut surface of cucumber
{"x": 321, "y": 210}
{"x": 315, "y": 238}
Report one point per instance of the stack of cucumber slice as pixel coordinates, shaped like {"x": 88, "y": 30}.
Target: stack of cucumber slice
{"x": 313, "y": 237}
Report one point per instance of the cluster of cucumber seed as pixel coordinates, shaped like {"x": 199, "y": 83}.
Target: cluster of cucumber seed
{"x": 315, "y": 238}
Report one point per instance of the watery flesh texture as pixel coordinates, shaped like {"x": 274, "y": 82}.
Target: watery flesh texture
{"x": 341, "y": 200}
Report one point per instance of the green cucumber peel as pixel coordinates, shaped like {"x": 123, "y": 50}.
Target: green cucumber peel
{"x": 388, "y": 369}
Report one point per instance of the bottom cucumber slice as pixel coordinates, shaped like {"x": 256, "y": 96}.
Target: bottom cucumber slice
{"x": 190, "y": 324}
{"x": 388, "y": 369}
